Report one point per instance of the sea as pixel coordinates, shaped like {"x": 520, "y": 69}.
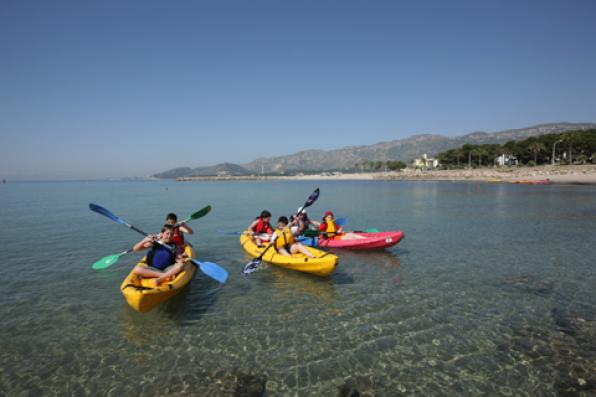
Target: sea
{"x": 492, "y": 292}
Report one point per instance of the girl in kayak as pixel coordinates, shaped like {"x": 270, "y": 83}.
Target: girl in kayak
{"x": 178, "y": 230}
{"x": 261, "y": 229}
{"x": 302, "y": 223}
{"x": 330, "y": 229}
{"x": 162, "y": 263}
{"x": 285, "y": 244}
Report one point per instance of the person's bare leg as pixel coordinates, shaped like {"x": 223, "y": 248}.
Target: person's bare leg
{"x": 147, "y": 272}
{"x": 297, "y": 247}
{"x": 170, "y": 272}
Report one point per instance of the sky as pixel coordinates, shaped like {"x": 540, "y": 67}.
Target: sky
{"x": 111, "y": 89}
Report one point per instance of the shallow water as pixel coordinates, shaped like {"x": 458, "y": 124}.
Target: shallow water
{"x": 492, "y": 292}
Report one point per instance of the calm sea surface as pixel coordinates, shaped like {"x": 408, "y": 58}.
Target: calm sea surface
{"x": 492, "y": 292}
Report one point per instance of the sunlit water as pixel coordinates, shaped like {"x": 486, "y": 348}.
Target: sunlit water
{"x": 492, "y": 292}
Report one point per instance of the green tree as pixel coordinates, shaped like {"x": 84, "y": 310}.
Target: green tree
{"x": 536, "y": 147}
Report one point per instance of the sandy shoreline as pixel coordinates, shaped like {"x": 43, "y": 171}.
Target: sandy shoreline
{"x": 565, "y": 174}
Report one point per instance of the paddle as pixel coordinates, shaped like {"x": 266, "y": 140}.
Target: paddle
{"x": 211, "y": 269}
{"x": 199, "y": 214}
{"x": 254, "y": 264}
{"x": 109, "y": 260}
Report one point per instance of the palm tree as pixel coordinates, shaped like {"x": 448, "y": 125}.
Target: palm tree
{"x": 536, "y": 147}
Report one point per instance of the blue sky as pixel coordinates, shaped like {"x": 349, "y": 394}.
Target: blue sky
{"x": 121, "y": 88}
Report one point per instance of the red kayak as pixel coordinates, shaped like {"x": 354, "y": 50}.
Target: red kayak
{"x": 369, "y": 240}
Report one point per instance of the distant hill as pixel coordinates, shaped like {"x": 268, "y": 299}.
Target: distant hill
{"x": 402, "y": 149}
{"x": 224, "y": 169}
{"x": 347, "y": 157}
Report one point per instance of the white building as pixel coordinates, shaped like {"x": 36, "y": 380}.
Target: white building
{"x": 426, "y": 163}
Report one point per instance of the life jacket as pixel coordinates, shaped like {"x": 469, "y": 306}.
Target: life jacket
{"x": 160, "y": 257}
{"x": 177, "y": 237}
{"x": 263, "y": 227}
{"x": 330, "y": 229}
{"x": 285, "y": 239}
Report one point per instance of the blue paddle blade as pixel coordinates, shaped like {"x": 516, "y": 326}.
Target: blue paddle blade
{"x": 251, "y": 266}
{"x": 101, "y": 210}
{"x": 341, "y": 221}
{"x": 212, "y": 270}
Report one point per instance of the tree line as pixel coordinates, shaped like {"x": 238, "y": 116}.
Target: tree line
{"x": 571, "y": 147}
{"x": 388, "y": 165}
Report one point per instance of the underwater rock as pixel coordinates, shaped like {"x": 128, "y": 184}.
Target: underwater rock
{"x": 528, "y": 283}
{"x": 250, "y": 385}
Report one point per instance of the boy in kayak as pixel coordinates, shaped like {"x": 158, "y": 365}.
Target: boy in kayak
{"x": 162, "y": 263}
{"x": 178, "y": 230}
{"x": 261, "y": 229}
{"x": 285, "y": 244}
{"x": 329, "y": 229}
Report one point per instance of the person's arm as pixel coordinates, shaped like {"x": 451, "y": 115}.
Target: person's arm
{"x": 144, "y": 243}
{"x": 184, "y": 228}
{"x": 251, "y": 227}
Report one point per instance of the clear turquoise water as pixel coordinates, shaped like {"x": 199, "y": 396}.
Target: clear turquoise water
{"x": 493, "y": 292}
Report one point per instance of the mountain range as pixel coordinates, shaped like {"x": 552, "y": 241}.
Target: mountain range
{"x": 347, "y": 157}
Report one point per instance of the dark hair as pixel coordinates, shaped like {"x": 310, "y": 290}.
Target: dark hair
{"x": 283, "y": 219}
{"x": 167, "y": 227}
{"x": 172, "y": 216}
{"x": 265, "y": 214}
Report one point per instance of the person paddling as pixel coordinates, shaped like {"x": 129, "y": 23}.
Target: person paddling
{"x": 161, "y": 263}
{"x": 285, "y": 243}
{"x": 260, "y": 229}
{"x": 177, "y": 231}
{"x": 303, "y": 223}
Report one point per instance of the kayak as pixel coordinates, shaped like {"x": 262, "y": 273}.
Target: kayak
{"x": 142, "y": 294}
{"x": 534, "y": 182}
{"x": 376, "y": 240}
{"x": 322, "y": 265}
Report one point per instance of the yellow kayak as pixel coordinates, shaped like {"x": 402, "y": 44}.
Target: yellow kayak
{"x": 142, "y": 294}
{"x": 322, "y": 265}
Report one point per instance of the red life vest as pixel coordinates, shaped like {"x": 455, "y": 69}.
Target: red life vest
{"x": 263, "y": 227}
{"x": 177, "y": 237}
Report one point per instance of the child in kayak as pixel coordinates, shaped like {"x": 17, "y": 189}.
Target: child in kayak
{"x": 178, "y": 230}
{"x": 162, "y": 263}
{"x": 261, "y": 229}
{"x": 285, "y": 244}
{"x": 302, "y": 223}
{"x": 329, "y": 229}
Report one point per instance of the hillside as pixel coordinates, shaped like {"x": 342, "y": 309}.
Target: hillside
{"x": 347, "y": 157}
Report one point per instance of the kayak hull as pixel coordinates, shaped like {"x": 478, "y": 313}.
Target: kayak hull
{"x": 322, "y": 265}
{"x": 378, "y": 240}
{"x": 142, "y": 294}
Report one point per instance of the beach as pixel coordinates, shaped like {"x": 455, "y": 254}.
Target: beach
{"x": 561, "y": 174}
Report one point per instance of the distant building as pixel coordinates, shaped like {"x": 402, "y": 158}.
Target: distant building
{"x": 426, "y": 163}
{"x": 506, "y": 160}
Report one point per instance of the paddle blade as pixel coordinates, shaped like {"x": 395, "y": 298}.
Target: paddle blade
{"x": 101, "y": 210}
{"x": 200, "y": 213}
{"x": 312, "y": 198}
{"x": 251, "y": 266}
{"x": 341, "y": 222}
{"x": 105, "y": 262}
{"x": 212, "y": 270}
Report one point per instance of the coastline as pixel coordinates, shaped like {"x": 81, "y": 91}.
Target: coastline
{"x": 559, "y": 174}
